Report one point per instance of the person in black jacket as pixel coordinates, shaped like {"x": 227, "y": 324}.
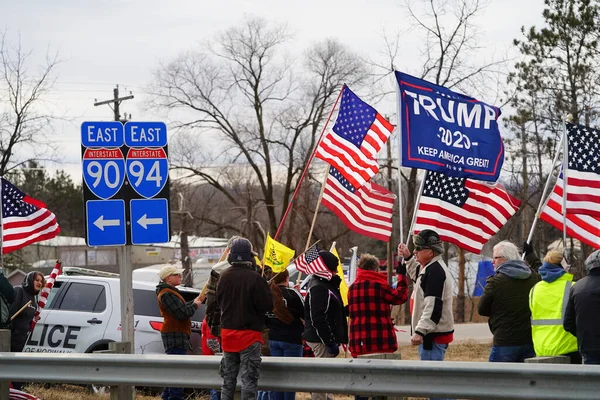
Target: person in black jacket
{"x": 243, "y": 297}
{"x": 285, "y": 324}
{"x": 325, "y": 324}
{"x": 21, "y": 324}
{"x": 7, "y": 295}
{"x": 583, "y": 308}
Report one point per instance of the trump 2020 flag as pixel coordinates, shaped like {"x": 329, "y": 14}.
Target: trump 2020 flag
{"x": 462, "y": 211}
{"x": 448, "y": 132}
{"x": 358, "y": 134}
{"x": 25, "y": 220}
{"x": 583, "y": 172}
{"x": 367, "y": 210}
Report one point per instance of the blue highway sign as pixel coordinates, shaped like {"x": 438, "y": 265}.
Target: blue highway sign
{"x": 106, "y": 223}
{"x": 147, "y": 170}
{"x": 102, "y": 134}
{"x": 103, "y": 171}
{"x": 149, "y": 221}
{"x": 145, "y": 134}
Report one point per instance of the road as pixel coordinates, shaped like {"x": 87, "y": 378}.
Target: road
{"x": 479, "y": 333}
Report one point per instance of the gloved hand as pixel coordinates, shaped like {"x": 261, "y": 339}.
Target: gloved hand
{"x": 333, "y": 349}
{"x": 401, "y": 268}
{"x": 527, "y": 249}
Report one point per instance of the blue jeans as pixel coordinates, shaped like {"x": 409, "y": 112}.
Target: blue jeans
{"x": 591, "y": 359}
{"x": 511, "y": 353}
{"x": 284, "y": 349}
{"x": 174, "y": 393}
{"x": 437, "y": 353}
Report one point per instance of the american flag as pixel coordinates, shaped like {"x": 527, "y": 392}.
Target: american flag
{"x": 583, "y": 173}
{"x": 43, "y": 297}
{"x": 310, "y": 262}
{"x": 358, "y": 134}
{"x": 586, "y": 228}
{"x": 24, "y": 220}
{"x": 20, "y": 395}
{"x": 367, "y": 210}
{"x": 463, "y": 211}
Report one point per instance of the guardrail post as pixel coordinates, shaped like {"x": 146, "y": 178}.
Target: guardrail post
{"x": 385, "y": 356}
{"x": 4, "y": 347}
{"x": 121, "y": 392}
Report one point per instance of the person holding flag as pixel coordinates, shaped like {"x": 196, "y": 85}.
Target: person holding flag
{"x": 325, "y": 315}
{"x": 25, "y": 301}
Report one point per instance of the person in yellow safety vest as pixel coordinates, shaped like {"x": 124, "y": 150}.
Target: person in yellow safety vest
{"x": 547, "y": 302}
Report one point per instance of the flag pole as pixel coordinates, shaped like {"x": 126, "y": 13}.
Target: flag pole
{"x": 543, "y": 200}
{"x": 312, "y": 156}
{"x": 314, "y": 220}
{"x": 414, "y": 217}
{"x": 565, "y": 144}
{"x": 399, "y": 138}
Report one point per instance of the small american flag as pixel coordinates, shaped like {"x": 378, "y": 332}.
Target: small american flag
{"x": 20, "y": 395}
{"x": 585, "y": 228}
{"x": 463, "y": 211}
{"x": 357, "y": 136}
{"x": 24, "y": 220}
{"x": 311, "y": 263}
{"x": 367, "y": 210}
{"x": 43, "y": 297}
{"x": 583, "y": 173}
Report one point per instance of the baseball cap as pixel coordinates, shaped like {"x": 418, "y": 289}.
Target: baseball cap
{"x": 168, "y": 271}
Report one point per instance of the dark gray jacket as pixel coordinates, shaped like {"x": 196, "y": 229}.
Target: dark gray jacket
{"x": 581, "y": 315}
{"x": 7, "y": 295}
{"x": 20, "y": 326}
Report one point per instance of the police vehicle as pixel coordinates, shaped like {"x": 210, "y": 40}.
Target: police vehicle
{"x": 83, "y": 315}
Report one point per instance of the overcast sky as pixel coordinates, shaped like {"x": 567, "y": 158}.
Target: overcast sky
{"x": 104, "y": 42}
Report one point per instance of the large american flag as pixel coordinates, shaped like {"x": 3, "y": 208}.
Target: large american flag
{"x": 43, "y": 297}
{"x": 24, "y": 220}
{"x": 583, "y": 173}
{"x": 463, "y": 211}
{"x": 358, "y": 134}
{"x": 586, "y": 228}
{"x": 310, "y": 262}
{"x": 367, "y": 210}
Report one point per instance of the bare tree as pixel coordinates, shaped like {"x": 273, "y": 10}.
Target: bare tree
{"x": 24, "y": 126}
{"x": 250, "y": 116}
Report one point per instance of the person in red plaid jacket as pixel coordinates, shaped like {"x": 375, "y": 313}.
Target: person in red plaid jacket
{"x": 369, "y": 299}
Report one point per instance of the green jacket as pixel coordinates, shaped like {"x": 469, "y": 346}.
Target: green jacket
{"x": 505, "y": 300}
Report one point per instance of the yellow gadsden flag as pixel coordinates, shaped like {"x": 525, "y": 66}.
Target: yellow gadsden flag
{"x": 343, "y": 285}
{"x": 277, "y": 256}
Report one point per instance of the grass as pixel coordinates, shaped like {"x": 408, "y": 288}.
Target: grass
{"x": 464, "y": 351}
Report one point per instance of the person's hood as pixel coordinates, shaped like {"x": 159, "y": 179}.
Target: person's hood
{"x": 366, "y": 275}
{"x": 551, "y": 272}
{"x": 163, "y": 285}
{"x": 516, "y": 269}
{"x": 28, "y": 282}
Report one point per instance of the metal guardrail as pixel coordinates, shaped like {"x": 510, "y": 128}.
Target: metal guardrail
{"x": 352, "y": 376}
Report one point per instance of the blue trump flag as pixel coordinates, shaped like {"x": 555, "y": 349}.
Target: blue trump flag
{"x": 485, "y": 269}
{"x": 448, "y": 132}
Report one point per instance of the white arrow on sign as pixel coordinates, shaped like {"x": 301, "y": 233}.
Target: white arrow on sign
{"x": 144, "y": 221}
{"x": 101, "y": 222}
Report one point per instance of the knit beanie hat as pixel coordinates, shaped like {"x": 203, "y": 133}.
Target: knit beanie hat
{"x": 428, "y": 239}
{"x": 240, "y": 251}
{"x": 593, "y": 261}
{"x": 330, "y": 260}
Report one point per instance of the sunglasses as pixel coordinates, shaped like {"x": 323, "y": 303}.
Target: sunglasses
{"x": 419, "y": 248}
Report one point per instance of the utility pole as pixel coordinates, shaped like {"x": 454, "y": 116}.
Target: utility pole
{"x": 116, "y": 103}
{"x": 186, "y": 262}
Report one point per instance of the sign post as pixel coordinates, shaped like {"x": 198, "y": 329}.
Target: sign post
{"x": 126, "y": 195}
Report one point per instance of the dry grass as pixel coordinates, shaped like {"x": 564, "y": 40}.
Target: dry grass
{"x": 464, "y": 351}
